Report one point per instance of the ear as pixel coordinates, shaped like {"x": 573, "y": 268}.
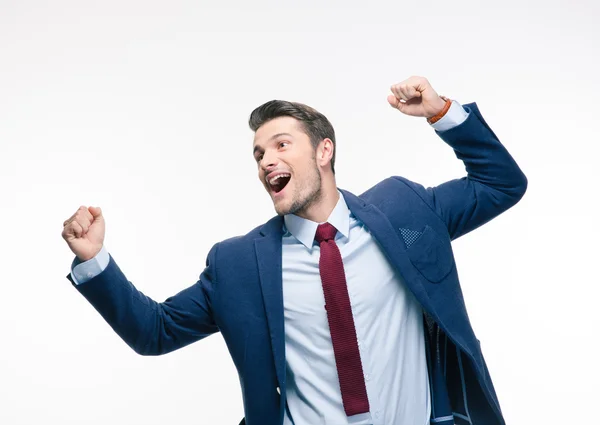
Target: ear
{"x": 325, "y": 152}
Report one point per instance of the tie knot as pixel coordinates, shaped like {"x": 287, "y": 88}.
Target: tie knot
{"x": 325, "y": 232}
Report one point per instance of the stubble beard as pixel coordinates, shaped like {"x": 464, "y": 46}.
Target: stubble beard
{"x": 303, "y": 201}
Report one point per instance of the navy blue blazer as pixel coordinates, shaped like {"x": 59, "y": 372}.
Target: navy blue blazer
{"x": 239, "y": 293}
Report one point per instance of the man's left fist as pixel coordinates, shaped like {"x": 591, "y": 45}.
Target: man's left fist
{"x": 415, "y": 96}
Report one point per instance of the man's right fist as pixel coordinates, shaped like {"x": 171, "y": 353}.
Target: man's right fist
{"x": 84, "y": 232}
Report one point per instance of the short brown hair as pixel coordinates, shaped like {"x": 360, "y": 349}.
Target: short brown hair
{"x": 315, "y": 124}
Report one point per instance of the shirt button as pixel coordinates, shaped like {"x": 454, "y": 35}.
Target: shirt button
{"x": 90, "y": 275}
{"x": 368, "y": 377}
{"x": 376, "y": 414}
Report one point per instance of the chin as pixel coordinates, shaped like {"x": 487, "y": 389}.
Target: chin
{"x": 282, "y": 204}
{"x": 281, "y": 209}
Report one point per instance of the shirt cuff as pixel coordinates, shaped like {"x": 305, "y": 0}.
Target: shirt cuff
{"x": 455, "y": 116}
{"x": 82, "y": 272}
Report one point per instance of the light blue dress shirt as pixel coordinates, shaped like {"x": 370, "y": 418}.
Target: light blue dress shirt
{"x": 389, "y": 328}
{"x": 388, "y": 321}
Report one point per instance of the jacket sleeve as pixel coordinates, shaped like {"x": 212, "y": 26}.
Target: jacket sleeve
{"x": 494, "y": 182}
{"x": 148, "y": 327}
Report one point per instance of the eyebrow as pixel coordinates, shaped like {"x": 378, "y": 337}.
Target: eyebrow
{"x": 273, "y": 137}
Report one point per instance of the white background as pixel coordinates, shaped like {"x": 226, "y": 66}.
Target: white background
{"x": 141, "y": 107}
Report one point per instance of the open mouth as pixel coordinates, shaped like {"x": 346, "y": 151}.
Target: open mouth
{"x": 279, "y": 181}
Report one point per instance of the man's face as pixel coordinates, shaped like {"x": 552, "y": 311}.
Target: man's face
{"x": 287, "y": 166}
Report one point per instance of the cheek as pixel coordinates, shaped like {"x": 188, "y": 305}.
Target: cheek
{"x": 261, "y": 178}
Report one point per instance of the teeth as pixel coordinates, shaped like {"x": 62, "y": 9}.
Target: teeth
{"x": 274, "y": 179}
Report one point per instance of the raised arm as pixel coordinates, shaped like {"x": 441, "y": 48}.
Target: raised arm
{"x": 494, "y": 182}
{"x": 148, "y": 327}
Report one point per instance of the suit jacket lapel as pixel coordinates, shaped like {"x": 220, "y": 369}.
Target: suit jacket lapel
{"x": 268, "y": 257}
{"x": 387, "y": 237}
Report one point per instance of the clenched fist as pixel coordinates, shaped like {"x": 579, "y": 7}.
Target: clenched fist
{"x": 84, "y": 232}
{"x": 416, "y": 97}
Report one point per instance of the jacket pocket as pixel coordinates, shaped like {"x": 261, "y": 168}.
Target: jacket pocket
{"x": 431, "y": 255}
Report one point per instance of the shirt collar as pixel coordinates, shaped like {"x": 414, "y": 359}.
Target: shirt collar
{"x": 304, "y": 230}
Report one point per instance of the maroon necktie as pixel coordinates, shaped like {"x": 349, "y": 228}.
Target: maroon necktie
{"x": 341, "y": 323}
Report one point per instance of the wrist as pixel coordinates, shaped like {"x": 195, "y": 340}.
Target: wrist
{"x": 88, "y": 254}
{"x": 444, "y": 106}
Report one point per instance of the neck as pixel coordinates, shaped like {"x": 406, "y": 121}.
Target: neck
{"x": 320, "y": 210}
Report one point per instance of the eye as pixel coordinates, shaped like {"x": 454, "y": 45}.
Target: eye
{"x": 283, "y": 144}
{"x": 259, "y": 157}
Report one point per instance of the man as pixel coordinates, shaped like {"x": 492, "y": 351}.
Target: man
{"x": 342, "y": 309}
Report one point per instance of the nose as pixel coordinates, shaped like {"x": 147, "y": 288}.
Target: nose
{"x": 268, "y": 161}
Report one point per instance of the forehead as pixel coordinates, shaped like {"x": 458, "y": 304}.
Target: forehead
{"x": 280, "y": 125}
